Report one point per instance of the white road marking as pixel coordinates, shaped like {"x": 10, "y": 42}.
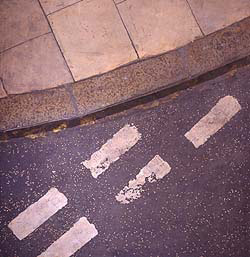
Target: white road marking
{"x": 217, "y": 117}
{"x": 111, "y": 151}
{"x": 156, "y": 169}
{"x": 72, "y": 240}
{"x": 37, "y": 213}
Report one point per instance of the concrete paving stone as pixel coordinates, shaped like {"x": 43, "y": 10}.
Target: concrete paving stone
{"x": 50, "y": 6}
{"x": 159, "y": 26}
{"x": 2, "y": 91}
{"x": 24, "y": 110}
{"x": 213, "y": 15}
{"x": 92, "y": 37}
{"x": 20, "y": 21}
{"x": 35, "y": 65}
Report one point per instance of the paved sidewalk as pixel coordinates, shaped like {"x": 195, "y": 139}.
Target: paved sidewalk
{"x": 54, "y": 42}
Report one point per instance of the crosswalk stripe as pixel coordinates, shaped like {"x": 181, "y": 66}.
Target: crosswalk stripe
{"x": 72, "y": 240}
{"x": 111, "y": 151}
{"x": 156, "y": 169}
{"x": 37, "y": 213}
{"x": 217, "y": 117}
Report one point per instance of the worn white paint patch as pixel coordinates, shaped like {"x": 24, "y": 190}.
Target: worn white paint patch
{"x": 111, "y": 151}
{"x": 37, "y": 213}
{"x": 217, "y": 117}
{"x": 154, "y": 170}
{"x": 71, "y": 241}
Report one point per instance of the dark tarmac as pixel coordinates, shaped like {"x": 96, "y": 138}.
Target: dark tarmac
{"x": 200, "y": 209}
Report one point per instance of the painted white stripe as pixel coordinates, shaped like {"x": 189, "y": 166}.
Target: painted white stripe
{"x": 218, "y": 116}
{"x": 156, "y": 169}
{"x": 37, "y": 213}
{"x": 72, "y": 240}
{"x": 111, "y": 151}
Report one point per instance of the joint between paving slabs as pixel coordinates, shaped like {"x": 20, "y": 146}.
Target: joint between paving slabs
{"x": 56, "y": 41}
{"x": 133, "y": 45}
{"x": 69, "y": 89}
{"x": 7, "y": 49}
{"x": 203, "y": 34}
{"x": 121, "y": 2}
{"x": 64, "y": 7}
{"x": 5, "y": 90}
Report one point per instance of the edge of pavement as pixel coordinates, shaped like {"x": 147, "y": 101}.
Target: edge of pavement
{"x": 135, "y": 83}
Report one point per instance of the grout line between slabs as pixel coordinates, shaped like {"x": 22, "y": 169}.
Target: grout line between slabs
{"x": 71, "y": 74}
{"x": 69, "y": 89}
{"x": 126, "y": 30}
{"x": 64, "y": 7}
{"x": 121, "y": 2}
{"x": 5, "y": 50}
{"x": 203, "y": 34}
{"x": 5, "y": 90}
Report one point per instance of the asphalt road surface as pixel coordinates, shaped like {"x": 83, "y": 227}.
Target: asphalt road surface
{"x": 170, "y": 179}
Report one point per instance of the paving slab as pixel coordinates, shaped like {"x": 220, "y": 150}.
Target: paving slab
{"x": 92, "y": 37}
{"x": 158, "y": 26}
{"x": 213, "y": 15}
{"x": 20, "y": 21}
{"x": 50, "y": 6}
{"x": 34, "y": 65}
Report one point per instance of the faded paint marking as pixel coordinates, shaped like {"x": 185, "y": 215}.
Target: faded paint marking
{"x": 218, "y": 116}
{"x": 156, "y": 169}
{"x": 72, "y": 240}
{"x": 37, "y": 213}
{"x": 111, "y": 151}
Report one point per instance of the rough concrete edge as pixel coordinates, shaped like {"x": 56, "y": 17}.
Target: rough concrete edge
{"x": 238, "y": 53}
